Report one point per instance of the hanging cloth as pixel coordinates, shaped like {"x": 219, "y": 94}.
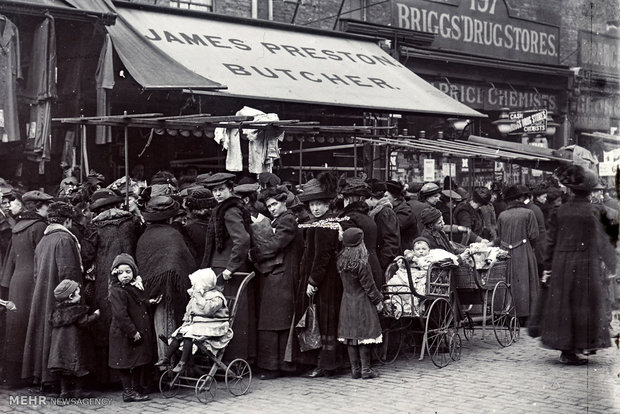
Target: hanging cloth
{"x": 105, "y": 83}
{"x": 10, "y": 73}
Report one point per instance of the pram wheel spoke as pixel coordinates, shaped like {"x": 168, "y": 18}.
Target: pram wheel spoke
{"x": 439, "y": 325}
{"x": 238, "y": 377}
{"x": 503, "y": 315}
{"x": 454, "y": 343}
{"x": 169, "y": 384}
{"x": 206, "y": 388}
{"x": 468, "y": 327}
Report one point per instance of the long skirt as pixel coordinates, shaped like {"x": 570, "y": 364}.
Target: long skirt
{"x": 271, "y": 350}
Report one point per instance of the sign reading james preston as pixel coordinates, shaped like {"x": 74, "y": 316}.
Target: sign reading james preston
{"x": 479, "y": 27}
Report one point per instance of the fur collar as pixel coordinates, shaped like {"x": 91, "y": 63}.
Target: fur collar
{"x": 355, "y": 207}
{"x": 25, "y": 220}
{"x": 67, "y": 314}
{"x": 383, "y": 203}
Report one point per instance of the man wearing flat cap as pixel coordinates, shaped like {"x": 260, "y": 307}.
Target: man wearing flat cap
{"x": 56, "y": 258}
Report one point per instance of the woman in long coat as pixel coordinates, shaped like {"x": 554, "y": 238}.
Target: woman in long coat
{"x": 57, "y": 257}
{"x": 517, "y": 230}
{"x": 355, "y": 192}
{"x": 111, "y": 232}
{"x": 278, "y": 284}
{"x": 574, "y": 313}
{"x": 226, "y": 252}
{"x": 18, "y": 278}
{"x": 321, "y": 279}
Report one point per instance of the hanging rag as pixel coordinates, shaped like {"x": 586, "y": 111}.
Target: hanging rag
{"x": 263, "y": 143}
{"x": 230, "y": 141}
{"x": 10, "y": 73}
{"x": 105, "y": 83}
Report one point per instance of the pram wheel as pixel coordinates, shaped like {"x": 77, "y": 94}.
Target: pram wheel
{"x": 169, "y": 384}
{"x": 468, "y": 327}
{"x": 454, "y": 343}
{"x": 440, "y": 324}
{"x": 238, "y": 377}
{"x": 503, "y": 314}
{"x": 206, "y": 388}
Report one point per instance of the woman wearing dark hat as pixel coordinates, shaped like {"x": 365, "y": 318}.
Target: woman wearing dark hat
{"x": 388, "y": 230}
{"x": 355, "y": 192}
{"x": 165, "y": 263}
{"x": 57, "y": 257}
{"x": 18, "y": 281}
{"x": 517, "y": 230}
{"x": 226, "y": 251}
{"x": 199, "y": 204}
{"x": 320, "y": 277}
{"x": 433, "y": 222}
{"x": 574, "y": 316}
{"x": 112, "y": 231}
{"x": 277, "y": 283}
{"x": 395, "y": 193}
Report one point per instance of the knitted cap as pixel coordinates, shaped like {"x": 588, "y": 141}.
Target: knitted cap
{"x": 352, "y": 237}
{"x": 125, "y": 259}
{"x": 64, "y": 289}
{"x": 429, "y": 215}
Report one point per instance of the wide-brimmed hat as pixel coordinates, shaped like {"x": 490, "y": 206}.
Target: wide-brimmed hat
{"x": 217, "y": 179}
{"x": 104, "y": 197}
{"x": 355, "y": 187}
{"x": 429, "y": 215}
{"x": 313, "y": 190}
{"x": 481, "y": 195}
{"x": 579, "y": 178}
{"x": 429, "y": 189}
{"x": 515, "y": 191}
{"x": 160, "y": 208}
{"x": 37, "y": 195}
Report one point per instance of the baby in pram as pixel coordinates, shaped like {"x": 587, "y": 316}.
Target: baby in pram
{"x": 419, "y": 260}
{"x": 205, "y": 320}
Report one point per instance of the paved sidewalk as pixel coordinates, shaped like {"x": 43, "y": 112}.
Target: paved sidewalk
{"x": 523, "y": 378}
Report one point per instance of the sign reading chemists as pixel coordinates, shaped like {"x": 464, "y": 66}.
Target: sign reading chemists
{"x": 479, "y": 27}
{"x": 282, "y": 63}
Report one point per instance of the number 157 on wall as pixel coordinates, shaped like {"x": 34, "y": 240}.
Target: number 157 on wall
{"x": 483, "y": 6}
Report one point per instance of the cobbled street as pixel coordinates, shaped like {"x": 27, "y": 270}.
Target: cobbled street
{"x": 523, "y": 378}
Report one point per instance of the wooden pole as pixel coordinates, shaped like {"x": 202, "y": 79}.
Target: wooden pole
{"x": 126, "y": 166}
{"x": 301, "y": 156}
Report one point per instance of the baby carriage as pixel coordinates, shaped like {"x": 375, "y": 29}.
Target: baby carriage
{"x": 408, "y": 313}
{"x": 237, "y": 374}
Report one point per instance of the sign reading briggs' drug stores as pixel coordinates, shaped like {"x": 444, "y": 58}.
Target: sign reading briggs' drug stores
{"x": 479, "y": 27}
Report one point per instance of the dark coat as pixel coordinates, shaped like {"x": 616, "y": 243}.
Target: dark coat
{"x": 67, "y": 350}
{"x": 406, "y": 222}
{"x": 18, "y": 278}
{"x": 388, "y": 233}
{"x": 358, "y": 315}
{"x": 439, "y": 240}
{"x": 514, "y": 225}
{"x": 129, "y": 315}
{"x": 319, "y": 270}
{"x": 196, "y": 231}
{"x": 228, "y": 237}
{"x": 358, "y": 217}
{"x": 467, "y": 216}
{"x": 277, "y": 287}
{"x": 416, "y": 207}
{"x": 56, "y": 258}
{"x": 573, "y": 316}
{"x": 226, "y": 247}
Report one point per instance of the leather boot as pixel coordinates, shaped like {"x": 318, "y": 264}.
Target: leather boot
{"x": 367, "y": 371}
{"x": 354, "y": 359}
{"x": 130, "y": 395}
{"x": 65, "y": 387}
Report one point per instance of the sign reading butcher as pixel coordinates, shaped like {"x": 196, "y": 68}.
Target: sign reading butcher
{"x": 479, "y": 27}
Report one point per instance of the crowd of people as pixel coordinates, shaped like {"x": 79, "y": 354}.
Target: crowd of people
{"x": 109, "y": 281}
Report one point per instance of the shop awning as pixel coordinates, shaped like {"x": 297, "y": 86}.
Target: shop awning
{"x": 274, "y": 61}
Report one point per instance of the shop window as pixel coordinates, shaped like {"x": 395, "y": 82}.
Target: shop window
{"x": 200, "y": 5}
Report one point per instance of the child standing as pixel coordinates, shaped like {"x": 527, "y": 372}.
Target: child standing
{"x": 205, "y": 320}
{"x": 130, "y": 334}
{"x": 67, "y": 358}
{"x": 358, "y": 325}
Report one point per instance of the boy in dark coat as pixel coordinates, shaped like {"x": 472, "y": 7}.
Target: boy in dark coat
{"x": 67, "y": 357}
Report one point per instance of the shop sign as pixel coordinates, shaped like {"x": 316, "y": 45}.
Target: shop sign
{"x": 479, "y": 27}
{"x": 607, "y": 169}
{"x": 529, "y": 122}
{"x": 448, "y": 169}
{"x": 600, "y": 53}
{"x": 595, "y": 113}
{"x": 429, "y": 169}
{"x": 488, "y": 98}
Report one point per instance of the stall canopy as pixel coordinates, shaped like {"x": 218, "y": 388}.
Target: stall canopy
{"x": 267, "y": 60}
